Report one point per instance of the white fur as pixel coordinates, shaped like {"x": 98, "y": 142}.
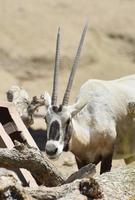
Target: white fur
{"x": 104, "y": 105}
{"x": 99, "y": 108}
{"x": 58, "y": 145}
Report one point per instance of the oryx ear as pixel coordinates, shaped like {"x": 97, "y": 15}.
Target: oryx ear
{"x": 76, "y": 108}
{"x": 46, "y": 98}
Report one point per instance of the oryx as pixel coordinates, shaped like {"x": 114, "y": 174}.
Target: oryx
{"x": 88, "y": 128}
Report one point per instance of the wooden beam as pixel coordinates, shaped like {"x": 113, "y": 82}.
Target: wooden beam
{"x": 21, "y": 172}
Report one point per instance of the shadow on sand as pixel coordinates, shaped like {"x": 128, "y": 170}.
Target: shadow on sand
{"x": 40, "y": 137}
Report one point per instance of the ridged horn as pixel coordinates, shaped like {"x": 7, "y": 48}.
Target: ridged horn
{"x": 74, "y": 66}
{"x": 56, "y": 70}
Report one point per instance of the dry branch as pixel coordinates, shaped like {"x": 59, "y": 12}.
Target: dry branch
{"x": 33, "y": 160}
{"x": 25, "y": 107}
{"x": 87, "y": 171}
{"x": 10, "y": 187}
{"x": 116, "y": 185}
{"x": 79, "y": 189}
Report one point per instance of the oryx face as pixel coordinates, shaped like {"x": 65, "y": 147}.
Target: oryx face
{"x": 58, "y": 119}
{"x": 58, "y": 134}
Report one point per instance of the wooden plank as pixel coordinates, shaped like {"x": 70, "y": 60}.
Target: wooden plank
{"x": 19, "y": 123}
{"x": 7, "y": 142}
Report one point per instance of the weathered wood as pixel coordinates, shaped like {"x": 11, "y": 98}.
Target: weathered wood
{"x": 25, "y": 107}
{"x": 39, "y": 165}
{"x": 48, "y": 170}
{"x": 79, "y": 190}
{"x": 10, "y": 187}
{"x": 33, "y": 160}
{"x": 116, "y": 185}
{"x": 10, "y": 117}
{"x": 23, "y": 174}
{"x": 12, "y": 113}
{"x": 21, "y": 100}
{"x": 87, "y": 171}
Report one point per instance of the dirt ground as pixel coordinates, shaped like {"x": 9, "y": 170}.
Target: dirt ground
{"x": 27, "y": 46}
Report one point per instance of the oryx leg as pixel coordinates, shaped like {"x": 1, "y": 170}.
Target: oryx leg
{"x": 106, "y": 157}
{"x": 80, "y": 163}
{"x": 106, "y": 163}
{"x": 106, "y": 160}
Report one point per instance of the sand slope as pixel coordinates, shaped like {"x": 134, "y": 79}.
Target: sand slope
{"x": 28, "y": 32}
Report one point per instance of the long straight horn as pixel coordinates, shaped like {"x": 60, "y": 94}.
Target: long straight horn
{"x": 56, "y": 70}
{"x": 74, "y": 66}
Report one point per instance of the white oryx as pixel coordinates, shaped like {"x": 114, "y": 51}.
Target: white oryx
{"x": 88, "y": 128}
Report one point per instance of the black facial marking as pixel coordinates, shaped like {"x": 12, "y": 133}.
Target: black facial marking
{"x": 54, "y": 133}
{"x": 67, "y": 136}
{"x": 60, "y": 108}
{"x": 55, "y": 109}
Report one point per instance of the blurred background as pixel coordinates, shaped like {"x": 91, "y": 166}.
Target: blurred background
{"x": 28, "y": 35}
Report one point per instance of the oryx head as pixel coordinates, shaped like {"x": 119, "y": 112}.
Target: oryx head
{"x": 59, "y": 118}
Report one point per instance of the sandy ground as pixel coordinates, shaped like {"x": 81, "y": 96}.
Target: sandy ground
{"x": 27, "y": 45}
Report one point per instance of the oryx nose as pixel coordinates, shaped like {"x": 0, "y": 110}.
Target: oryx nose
{"x": 51, "y": 149}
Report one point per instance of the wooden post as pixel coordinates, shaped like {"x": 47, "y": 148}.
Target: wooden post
{"x": 6, "y": 142}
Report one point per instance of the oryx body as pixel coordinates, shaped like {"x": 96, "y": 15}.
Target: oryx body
{"x": 104, "y": 106}
{"x": 88, "y": 128}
